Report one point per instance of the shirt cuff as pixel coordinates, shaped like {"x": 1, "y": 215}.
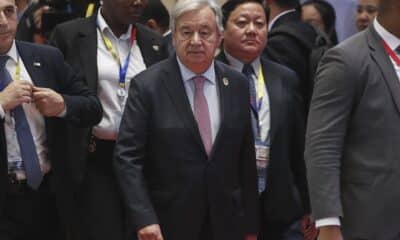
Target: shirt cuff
{"x": 332, "y": 221}
{"x": 2, "y": 113}
{"x": 63, "y": 113}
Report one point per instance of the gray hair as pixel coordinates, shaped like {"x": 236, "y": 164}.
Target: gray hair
{"x": 183, "y": 6}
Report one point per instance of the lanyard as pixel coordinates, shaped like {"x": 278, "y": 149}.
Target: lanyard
{"x": 391, "y": 53}
{"x": 260, "y": 92}
{"x": 17, "y": 75}
{"x": 123, "y": 69}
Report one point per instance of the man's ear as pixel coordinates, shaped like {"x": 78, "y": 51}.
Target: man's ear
{"x": 151, "y": 23}
{"x": 173, "y": 39}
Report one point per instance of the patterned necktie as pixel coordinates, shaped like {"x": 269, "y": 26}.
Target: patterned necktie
{"x": 24, "y": 135}
{"x": 201, "y": 113}
{"x": 249, "y": 72}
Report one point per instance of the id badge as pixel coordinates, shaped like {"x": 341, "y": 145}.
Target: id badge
{"x": 262, "y": 155}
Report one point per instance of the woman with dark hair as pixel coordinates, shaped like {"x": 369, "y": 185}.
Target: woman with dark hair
{"x": 322, "y": 15}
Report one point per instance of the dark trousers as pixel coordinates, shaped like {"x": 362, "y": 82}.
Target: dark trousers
{"x": 30, "y": 214}
{"x": 99, "y": 199}
{"x": 206, "y": 232}
{"x": 281, "y": 231}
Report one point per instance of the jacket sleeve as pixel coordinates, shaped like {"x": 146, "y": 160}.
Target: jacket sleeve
{"x": 130, "y": 157}
{"x": 328, "y": 121}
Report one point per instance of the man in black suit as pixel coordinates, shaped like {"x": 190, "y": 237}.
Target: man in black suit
{"x": 108, "y": 49}
{"x": 352, "y": 152}
{"x": 185, "y": 152}
{"x": 277, "y": 118}
{"x": 41, "y": 103}
{"x": 287, "y": 50}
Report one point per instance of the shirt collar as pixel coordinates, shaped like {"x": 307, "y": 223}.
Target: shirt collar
{"x": 102, "y": 24}
{"x": 390, "y": 39}
{"x": 278, "y": 16}
{"x": 12, "y": 53}
{"x": 188, "y": 74}
{"x": 238, "y": 65}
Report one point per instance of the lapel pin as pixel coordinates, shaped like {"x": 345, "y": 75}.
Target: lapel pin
{"x": 36, "y": 64}
{"x": 156, "y": 48}
{"x": 225, "y": 81}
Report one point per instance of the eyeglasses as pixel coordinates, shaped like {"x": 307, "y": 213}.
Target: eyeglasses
{"x": 9, "y": 11}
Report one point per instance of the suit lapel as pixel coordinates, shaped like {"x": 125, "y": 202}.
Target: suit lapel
{"x": 274, "y": 88}
{"x": 87, "y": 44}
{"x": 148, "y": 46}
{"x": 380, "y": 57}
{"x": 224, "y": 102}
{"x": 33, "y": 65}
{"x": 176, "y": 90}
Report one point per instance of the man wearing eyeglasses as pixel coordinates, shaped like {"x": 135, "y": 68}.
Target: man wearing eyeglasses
{"x": 185, "y": 152}
{"x": 42, "y": 103}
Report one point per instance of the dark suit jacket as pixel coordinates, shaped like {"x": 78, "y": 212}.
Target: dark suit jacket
{"x": 77, "y": 40}
{"x": 294, "y": 54}
{"x": 164, "y": 171}
{"x": 285, "y": 198}
{"x": 167, "y": 45}
{"x": 352, "y": 151}
{"x": 83, "y": 110}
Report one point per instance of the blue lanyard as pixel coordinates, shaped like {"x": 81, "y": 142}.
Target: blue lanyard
{"x": 123, "y": 69}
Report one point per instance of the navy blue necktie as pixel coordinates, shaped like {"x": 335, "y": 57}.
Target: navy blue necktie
{"x": 25, "y": 140}
{"x": 249, "y": 72}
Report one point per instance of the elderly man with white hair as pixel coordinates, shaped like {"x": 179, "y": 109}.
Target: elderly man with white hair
{"x": 185, "y": 153}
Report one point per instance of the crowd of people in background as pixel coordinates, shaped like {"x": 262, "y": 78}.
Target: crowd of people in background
{"x": 253, "y": 119}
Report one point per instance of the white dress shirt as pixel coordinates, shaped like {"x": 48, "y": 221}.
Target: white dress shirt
{"x": 210, "y": 92}
{"x": 264, "y": 114}
{"x": 33, "y": 116}
{"x": 393, "y": 42}
{"x": 108, "y": 74}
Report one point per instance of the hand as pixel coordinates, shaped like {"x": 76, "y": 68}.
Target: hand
{"x": 48, "y": 102}
{"x": 37, "y": 16}
{"x": 150, "y": 232}
{"x": 250, "y": 237}
{"x": 310, "y": 232}
{"x": 16, "y": 93}
{"x": 330, "y": 233}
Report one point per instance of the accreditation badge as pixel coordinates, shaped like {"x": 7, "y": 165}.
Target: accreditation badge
{"x": 262, "y": 154}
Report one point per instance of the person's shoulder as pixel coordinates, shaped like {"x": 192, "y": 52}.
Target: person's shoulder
{"x": 280, "y": 69}
{"x": 155, "y": 71}
{"x": 285, "y": 75}
{"x": 147, "y": 32}
{"x": 299, "y": 31}
{"x": 230, "y": 73}
{"x": 37, "y": 49}
{"x": 352, "y": 49}
{"x": 76, "y": 24}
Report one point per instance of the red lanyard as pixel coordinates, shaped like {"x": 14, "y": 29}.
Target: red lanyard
{"x": 391, "y": 53}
